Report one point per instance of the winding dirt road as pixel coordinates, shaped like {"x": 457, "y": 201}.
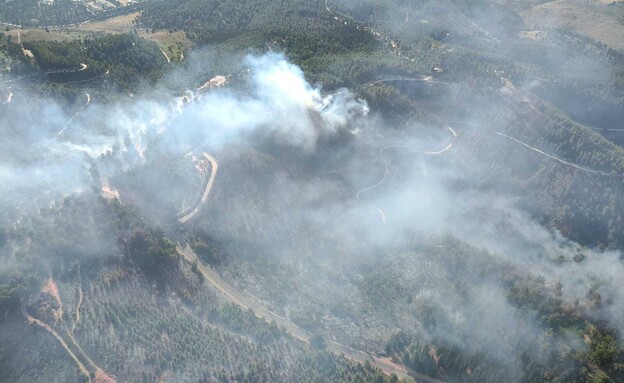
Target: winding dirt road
{"x": 52, "y": 290}
{"x": 43, "y": 325}
{"x": 246, "y": 302}
{"x": 80, "y": 298}
{"x": 358, "y": 195}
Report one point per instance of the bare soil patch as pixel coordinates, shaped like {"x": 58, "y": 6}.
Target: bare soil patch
{"x": 103, "y": 377}
{"x": 51, "y": 289}
{"x": 598, "y": 20}
{"x": 41, "y": 35}
{"x": 119, "y": 24}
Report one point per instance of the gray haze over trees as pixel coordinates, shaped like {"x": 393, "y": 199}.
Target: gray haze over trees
{"x": 449, "y": 199}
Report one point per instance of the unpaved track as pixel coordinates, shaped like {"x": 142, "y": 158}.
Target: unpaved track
{"x": 425, "y": 79}
{"x": 358, "y": 195}
{"x": 84, "y": 354}
{"x": 166, "y": 57}
{"x": 77, "y": 318}
{"x": 103, "y": 376}
{"x": 75, "y": 114}
{"x": 49, "y": 329}
{"x": 246, "y": 302}
{"x": 543, "y": 153}
{"x": 9, "y": 98}
{"x": 82, "y": 67}
{"x": 432, "y": 152}
{"x": 389, "y": 79}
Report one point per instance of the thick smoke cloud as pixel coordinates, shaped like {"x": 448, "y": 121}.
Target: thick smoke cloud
{"x": 50, "y": 157}
{"x": 280, "y": 103}
{"x": 49, "y": 146}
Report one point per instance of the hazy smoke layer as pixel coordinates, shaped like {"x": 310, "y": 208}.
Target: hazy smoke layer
{"x": 397, "y": 185}
{"x": 50, "y": 148}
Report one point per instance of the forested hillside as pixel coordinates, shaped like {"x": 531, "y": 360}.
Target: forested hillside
{"x": 184, "y": 329}
{"x": 99, "y": 63}
{"x": 311, "y": 191}
{"x": 124, "y": 60}
{"x": 54, "y": 13}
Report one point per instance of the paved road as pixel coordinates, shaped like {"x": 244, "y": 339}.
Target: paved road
{"x": 246, "y": 302}
{"x": 200, "y": 204}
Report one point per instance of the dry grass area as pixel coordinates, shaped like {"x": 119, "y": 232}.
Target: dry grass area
{"x": 41, "y": 35}
{"x": 103, "y": 377}
{"x": 172, "y": 43}
{"x": 119, "y": 24}
{"x": 598, "y": 19}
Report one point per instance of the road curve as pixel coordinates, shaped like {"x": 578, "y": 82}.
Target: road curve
{"x": 246, "y": 302}
{"x": 433, "y": 152}
{"x": 83, "y": 67}
{"x": 213, "y": 173}
{"x": 358, "y": 195}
